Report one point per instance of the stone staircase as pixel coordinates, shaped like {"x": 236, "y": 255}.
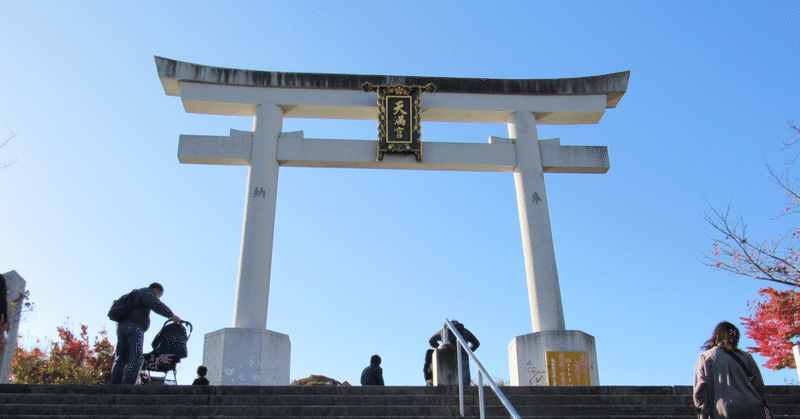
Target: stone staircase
{"x": 240, "y": 402}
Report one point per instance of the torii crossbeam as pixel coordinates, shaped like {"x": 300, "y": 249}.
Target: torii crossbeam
{"x": 250, "y": 354}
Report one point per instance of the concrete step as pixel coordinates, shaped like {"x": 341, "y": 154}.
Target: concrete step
{"x": 342, "y": 410}
{"x": 240, "y": 402}
{"x": 353, "y": 417}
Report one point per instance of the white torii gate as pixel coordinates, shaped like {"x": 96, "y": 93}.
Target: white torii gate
{"x": 250, "y": 354}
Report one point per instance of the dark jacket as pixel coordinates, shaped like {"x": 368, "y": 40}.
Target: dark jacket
{"x": 372, "y": 376}
{"x": 200, "y": 381}
{"x": 147, "y": 300}
{"x": 445, "y": 336}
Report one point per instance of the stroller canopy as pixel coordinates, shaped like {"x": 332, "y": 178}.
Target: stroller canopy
{"x": 169, "y": 347}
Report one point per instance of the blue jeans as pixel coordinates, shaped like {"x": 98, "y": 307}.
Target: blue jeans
{"x": 128, "y": 354}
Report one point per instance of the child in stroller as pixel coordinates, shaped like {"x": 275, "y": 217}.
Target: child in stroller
{"x": 169, "y": 347}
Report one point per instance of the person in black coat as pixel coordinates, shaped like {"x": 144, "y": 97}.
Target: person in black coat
{"x": 373, "y": 374}
{"x": 201, "y": 379}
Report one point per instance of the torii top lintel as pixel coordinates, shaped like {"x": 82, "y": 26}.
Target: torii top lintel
{"x": 225, "y": 91}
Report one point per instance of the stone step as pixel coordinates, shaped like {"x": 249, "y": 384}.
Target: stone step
{"x": 325, "y": 400}
{"x": 365, "y": 391}
{"x": 340, "y": 410}
{"x": 239, "y": 402}
{"x": 374, "y": 400}
{"x": 227, "y": 411}
{"x": 353, "y": 417}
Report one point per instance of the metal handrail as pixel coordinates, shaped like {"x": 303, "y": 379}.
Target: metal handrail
{"x": 461, "y": 343}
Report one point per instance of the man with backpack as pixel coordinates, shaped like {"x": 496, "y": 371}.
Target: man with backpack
{"x": 132, "y": 314}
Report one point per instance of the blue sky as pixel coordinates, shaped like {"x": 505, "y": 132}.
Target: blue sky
{"x": 97, "y": 202}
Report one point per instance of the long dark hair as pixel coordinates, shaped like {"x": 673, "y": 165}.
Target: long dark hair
{"x": 725, "y": 335}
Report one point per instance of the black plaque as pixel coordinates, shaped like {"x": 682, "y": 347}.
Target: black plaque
{"x": 399, "y": 123}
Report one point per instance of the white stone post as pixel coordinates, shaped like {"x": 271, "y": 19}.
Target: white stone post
{"x": 248, "y": 353}
{"x": 15, "y": 294}
{"x": 255, "y": 260}
{"x": 796, "y": 351}
{"x": 528, "y": 353}
{"x": 544, "y": 293}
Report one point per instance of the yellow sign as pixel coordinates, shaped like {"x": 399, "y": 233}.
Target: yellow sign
{"x": 568, "y": 368}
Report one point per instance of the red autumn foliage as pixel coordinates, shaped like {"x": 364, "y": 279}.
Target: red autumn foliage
{"x": 71, "y": 360}
{"x": 774, "y": 325}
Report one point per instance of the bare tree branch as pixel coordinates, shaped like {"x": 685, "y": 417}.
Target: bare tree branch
{"x": 785, "y": 181}
{"x": 776, "y": 260}
{"x": 736, "y": 252}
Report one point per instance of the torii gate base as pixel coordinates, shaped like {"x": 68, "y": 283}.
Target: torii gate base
{"x": 527, "y": 355}
{"x": 237, "y": 356}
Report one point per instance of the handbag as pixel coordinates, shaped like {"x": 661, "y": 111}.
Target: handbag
{"x": 750, "y": 377}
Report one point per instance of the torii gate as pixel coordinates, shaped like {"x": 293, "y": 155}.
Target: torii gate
{"x": 250, "y": 354}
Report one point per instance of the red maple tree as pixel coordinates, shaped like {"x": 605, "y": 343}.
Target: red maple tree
{"x": 774, "y": 325}
{"x": 774, "y": 322}
{"x": 71, "y": 360}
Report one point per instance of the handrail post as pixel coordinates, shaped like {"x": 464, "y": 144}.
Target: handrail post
{"x": 460, "y": 378}
{"x": 480, "y": 394}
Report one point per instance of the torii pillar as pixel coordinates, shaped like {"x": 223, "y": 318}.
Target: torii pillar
{"x": 250, "y": 354}
{"x": 528, "y": 353}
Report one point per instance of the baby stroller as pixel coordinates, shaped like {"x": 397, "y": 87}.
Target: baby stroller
{"x": 169, "y": 347}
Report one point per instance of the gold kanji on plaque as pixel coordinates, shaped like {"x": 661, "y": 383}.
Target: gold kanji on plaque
{"x": 399, "y": 123}
{"x": 568, "y": 368}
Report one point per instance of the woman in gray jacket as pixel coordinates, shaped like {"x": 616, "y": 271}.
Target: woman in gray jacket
{"x": 727, "y": 382}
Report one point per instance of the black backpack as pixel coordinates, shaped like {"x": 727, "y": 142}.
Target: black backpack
{"x": 122, "y": 307}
